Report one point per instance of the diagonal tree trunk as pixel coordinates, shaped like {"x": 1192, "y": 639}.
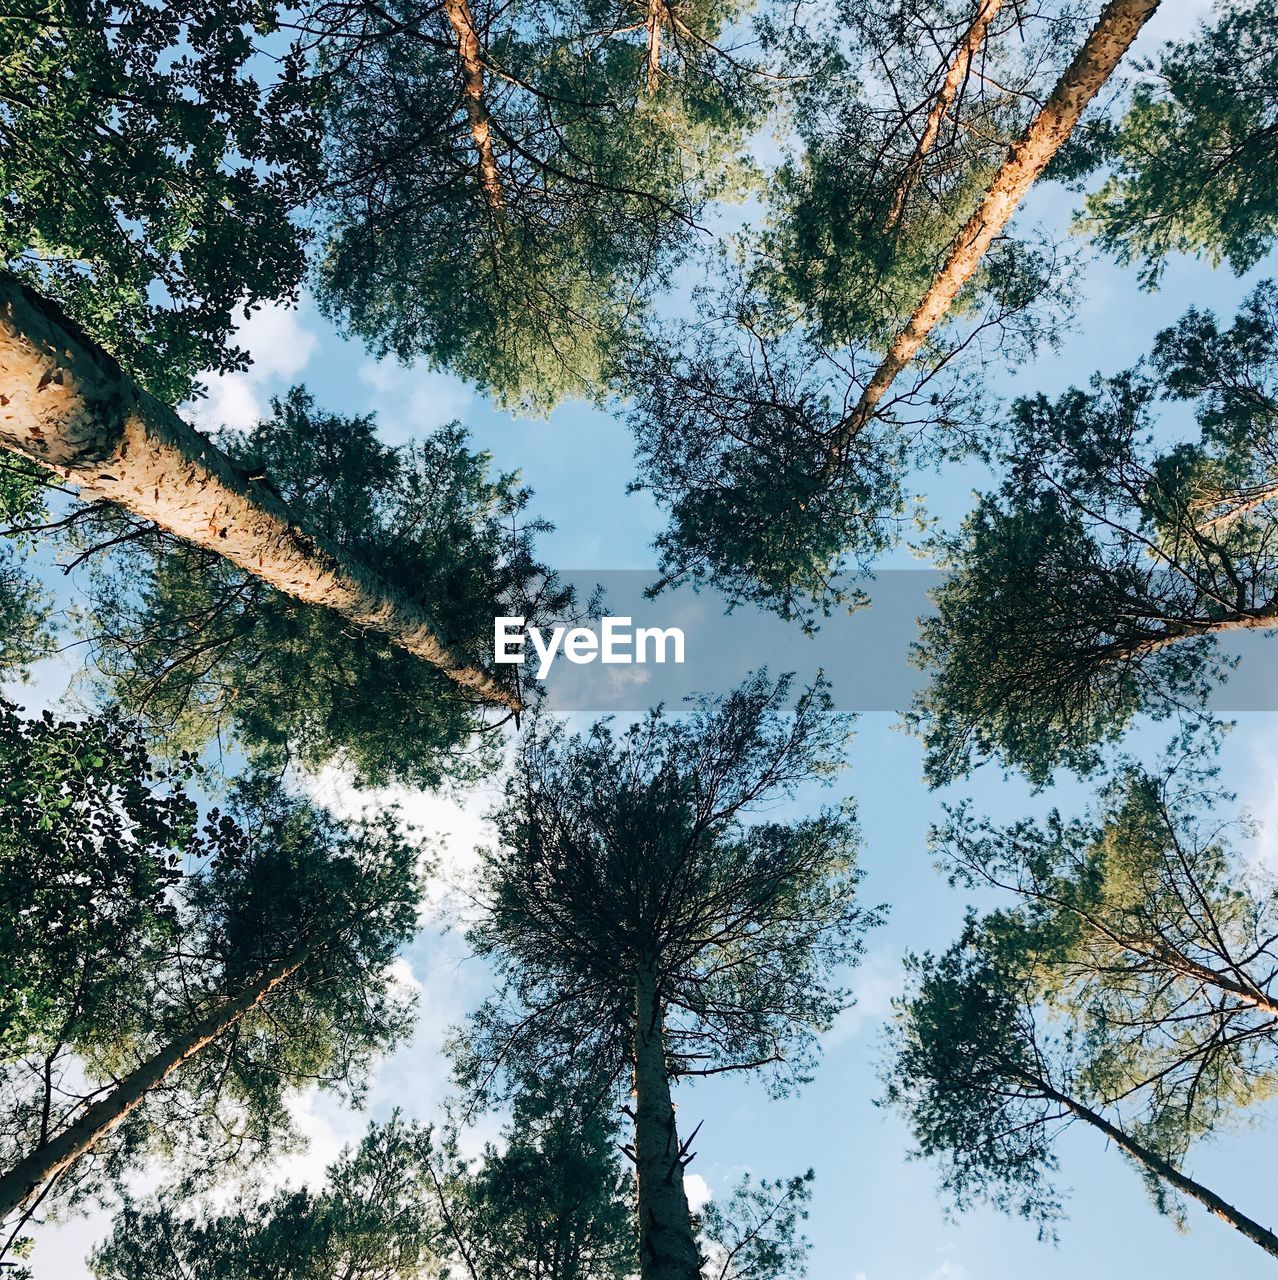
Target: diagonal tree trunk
{"x": 1233, "y": 506}
{"x": 468, "y": 49}
{"x": 26, "y": 1179}
{"x": 1118, "y": 25}
{"x": 1162, "y": 1168}
{"x": 65, "y": 404}
{"x": 667, "y": 1245}
{"x": 1261, "y": 619}
{"x": 972, "y": 40}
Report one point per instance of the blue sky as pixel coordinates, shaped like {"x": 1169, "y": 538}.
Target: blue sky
{"x": 874, "y": 1214}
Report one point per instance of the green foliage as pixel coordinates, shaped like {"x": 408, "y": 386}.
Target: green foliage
{"x": 964, "y": 1074}
{"x": 149, "y": 178}
{"x": 735, "y": 441}
{"x": 1088, "y": 589}
{"x": 601, "y": 182}
{"x": 741, "y": 415}
{"x": 1152, "y": 935}
{"x": 551, "y": 1204}
{"x": 202, "y": 648}
{"x": 1130, "y": 982}
{"x": 1191, "y": 163}
{"x": 374, "y": 1218}
{"x": 752, "y": 1236}
{"x": 270, "y": 883}
{"x": 90, "y": 838}
{"x": 619, "y": 854}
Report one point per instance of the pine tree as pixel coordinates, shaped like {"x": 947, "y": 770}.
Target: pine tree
{"x": 647, "y": 934}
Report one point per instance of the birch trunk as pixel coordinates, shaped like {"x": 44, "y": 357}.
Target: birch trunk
{"x": 25, "y": 1180}
{"x": 468, "y": 49}
{"x": 667, "y": 1246}
{"x": 65, "y": 404}
{"x": 1119, "y": 24}
{"x": 954, "y": 77}
{"x": 1186, "y": 1185}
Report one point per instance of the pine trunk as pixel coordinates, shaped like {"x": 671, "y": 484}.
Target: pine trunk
{"x": 1165, "y": 1170}
{"x": 468, "y": 49}
{"x": 667, "y": 1246}
{"x": 955, "y": 74}
{"x": 65, "y": 404}
{"x": 653, "y": 25}
{"x": 25, "y": 1180}
{"x": 1119, "y": 24}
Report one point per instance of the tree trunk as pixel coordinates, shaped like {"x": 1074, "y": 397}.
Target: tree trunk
{"x": 1254, "y": 1232}
{"x": 1261, "y": 619}
{"x": 25, "y": 1180}
{"x": 65, "y": 404}
{"x": 954, "y": 77}
{"x": 1236, "y": 505}
{"x": 667, "y": 1246}
{"x": 1119, "y": 24}
{"x": 653, "y": 24}
{"x": 463, "y": 25}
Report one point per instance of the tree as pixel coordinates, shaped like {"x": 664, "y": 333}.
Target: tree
{"x": 516, "y": 245}
{"x": 1130, "y": 986}
{"x": 25, "y": 634}
{"x": 763, "y": 426}
{"x": 200, "y": 648}
{"x": 1089, "y": 587}
{"x": 374, "y": 1218}
{"x": 73, "y": 411}
{"x": 90, "y": 838}
{"x": 643, "y": 929}
{"x": 270, "y": 974}
{"x": 151, "y": 177}
{"x": 551, "y": 1205}
{"x": 1188, "y": 165}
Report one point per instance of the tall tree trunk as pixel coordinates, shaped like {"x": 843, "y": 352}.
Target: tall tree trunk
{"x": 653, "y": 24}
{"x": 468, "y": 49}
{"x": 1119, "y": 24}
{"x": 1155, "y": 1163}
{"x": 65, "y": 404}
{"x": 24, "y": 1181}
{"x": 667, "y": 1246}
{"x": 956, "y": 73}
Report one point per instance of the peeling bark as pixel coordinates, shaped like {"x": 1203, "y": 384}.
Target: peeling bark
{"x": 29, "y": 1176}
{"x": 1117, "y": 27}
{"x": 954, "y": 77}
{"x": 65, "y": 404}
{"x": 468, "y": 49}
{"x": 667, "y": 1245}
{"x": 1162, "y": 1168}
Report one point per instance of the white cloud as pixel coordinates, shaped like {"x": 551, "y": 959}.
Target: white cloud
{"x": 876, "y": 980}
{"x": 280, "y": 347}
{"x": 412, "y": 402}
{"x": 698, "y": 1191}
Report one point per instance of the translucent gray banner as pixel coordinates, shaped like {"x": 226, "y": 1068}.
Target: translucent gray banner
{"x": 865, "y": 654}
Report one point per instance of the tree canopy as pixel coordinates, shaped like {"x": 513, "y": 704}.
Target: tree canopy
{"x": 1129, "y": 986}
{"x": 1089, "y": 587}
{"x": 197, "y": 973}
{"x": 201, "y": 648}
